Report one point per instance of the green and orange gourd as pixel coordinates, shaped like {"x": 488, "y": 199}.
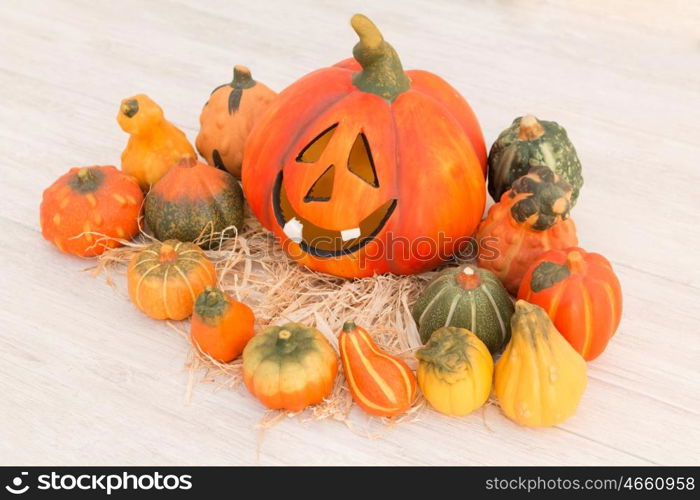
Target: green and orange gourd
{"x": 221, "y": 326}
{"x": 531, "y": 218}
{"x": 195, "y": 202}
{"x": 289, "y": 367}
{"x": 466, "y": 297}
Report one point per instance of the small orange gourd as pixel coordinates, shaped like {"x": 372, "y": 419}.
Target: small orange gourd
{"x": 289, "y": 367}
{"x": 165, "y": 278}
{"x": 381, "y": 384}
{"x": 531, "y": 218}
{"x": 90, "y": 200}
{"x": 154, "y": 144}
{"x": 221, "y": 326}
{"x": 228, "y": 117}
{"x": 581, "y": 294}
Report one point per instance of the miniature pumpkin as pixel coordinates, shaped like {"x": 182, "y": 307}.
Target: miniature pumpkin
{"x": 381, "y": 384}
{"x": 289, "y": 367}
{"x": 528, "y": 143}
{"x": 581, "y": 295}
{"x": 154, "y": 144}
{"x": 194, "y": 201}
{"x": 228, "y": 117}
{"x": 455, "y": 370}
{"x": 532, "y": 217}
{"x": 165, "y": 278}
{"x": 345, "y": 166}
{"x": 221, "y": 326}
{"x": 540, "y": 378}
{"x": 90, "y": 200}
{"x": 466, "y": 297}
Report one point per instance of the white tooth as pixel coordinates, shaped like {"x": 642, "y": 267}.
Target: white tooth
{"x": 293, "y": 230}
{"x": 350, "y": 234}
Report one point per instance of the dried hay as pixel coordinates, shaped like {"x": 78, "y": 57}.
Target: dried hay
{"x": 253, "y": 268}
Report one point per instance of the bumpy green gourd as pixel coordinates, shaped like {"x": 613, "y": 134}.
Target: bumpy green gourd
{"x": 528, "y": 143}
{"x": 466, "y": 297}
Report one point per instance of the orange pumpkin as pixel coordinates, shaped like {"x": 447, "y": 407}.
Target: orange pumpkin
{"x": 164, "y": 279}
{"x": 532, "y": 217}
{"x": 194, "y": 201}
{"x": 228, "y": 117}
{"x": 381, "y": 384}
{"x": 90, "y": 200}
{"x": 154, "y": 144}
{"x": 289, "y": 367}
{"x": 365, "y": 168}
{"x": 581, "y": 295}
{"x": 221, "y": 326}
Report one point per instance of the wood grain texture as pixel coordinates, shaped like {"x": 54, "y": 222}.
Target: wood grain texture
{"x": 87, "y": 379}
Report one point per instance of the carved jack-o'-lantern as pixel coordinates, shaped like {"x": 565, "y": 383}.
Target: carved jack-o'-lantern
{"x": 362, "y": 168}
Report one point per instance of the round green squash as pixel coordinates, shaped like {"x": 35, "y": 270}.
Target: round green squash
{"x": 528, "y": 143}
{"x": 466, "y": 297}
{"x": 194, "y": 202}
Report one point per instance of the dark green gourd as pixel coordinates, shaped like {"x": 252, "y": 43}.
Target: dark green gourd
{"x": 466, "y": 297}
{"x": 528, "y": 143}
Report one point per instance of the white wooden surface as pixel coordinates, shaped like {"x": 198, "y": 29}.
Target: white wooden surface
{"x": 86, "y": 379}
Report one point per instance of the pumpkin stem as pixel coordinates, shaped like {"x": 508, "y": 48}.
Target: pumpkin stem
{"x": 284, "y": 334}
{"x": 382, "y": 73}
{"x": 167, "y": 253}
{"x": 575, "y": 262}
{"x": 242, "y": 79}
{"x": 84, "y": 175}
{"x": 530, "y": 128}
{"x": 87, "y": 179}
{"x": 468, "y": 278}
{"x": 349, "y": 326}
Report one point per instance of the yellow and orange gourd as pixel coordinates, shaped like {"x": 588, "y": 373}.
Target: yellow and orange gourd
{"x": 164, "y": 279}
{"x": 154, "y": 144}
{"x": 221, "y": 326}
{"x": 381, "y": 384}
{"x": 90, "y": 209}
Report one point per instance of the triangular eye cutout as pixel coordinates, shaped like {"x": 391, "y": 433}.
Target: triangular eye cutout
{"x": 322, "y": 189}
{"x": 360, "y": 161}
{"x": 312, "y": 152}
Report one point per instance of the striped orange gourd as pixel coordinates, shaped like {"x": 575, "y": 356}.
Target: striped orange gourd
{"x": 581, "y": 294}
{"x": 381, "y": 384}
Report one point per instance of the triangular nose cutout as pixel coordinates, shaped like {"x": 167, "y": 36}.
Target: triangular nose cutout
{"x": 322, "y": 189}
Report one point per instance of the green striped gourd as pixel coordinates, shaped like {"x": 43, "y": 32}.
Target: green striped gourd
{"x": 528, "y": 143}
{"x": 466, "y": 297}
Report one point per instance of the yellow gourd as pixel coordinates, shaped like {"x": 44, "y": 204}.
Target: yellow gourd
{"x": 455, "y": 370}
{"x": 154, "y": 144}
{"x": 540, "y": 378}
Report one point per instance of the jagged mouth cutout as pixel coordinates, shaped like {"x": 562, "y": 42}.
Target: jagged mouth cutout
{"x": 319, "y": 241}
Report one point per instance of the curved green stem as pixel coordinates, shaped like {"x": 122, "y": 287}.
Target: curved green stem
{"x": 382, "y": 73}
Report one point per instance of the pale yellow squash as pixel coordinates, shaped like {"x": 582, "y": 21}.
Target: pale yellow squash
{"x": 540, "y": 378}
